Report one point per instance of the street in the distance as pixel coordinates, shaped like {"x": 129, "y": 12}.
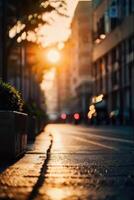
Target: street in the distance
{"x": 84, "y": 163}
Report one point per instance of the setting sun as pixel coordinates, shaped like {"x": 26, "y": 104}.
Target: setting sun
{"x": 53, "y": 55}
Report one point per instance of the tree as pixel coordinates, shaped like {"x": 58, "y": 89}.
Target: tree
{"x": 20, "y": 17}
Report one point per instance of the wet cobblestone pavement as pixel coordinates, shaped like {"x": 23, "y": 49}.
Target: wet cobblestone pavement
{"x": 82, "y": 164}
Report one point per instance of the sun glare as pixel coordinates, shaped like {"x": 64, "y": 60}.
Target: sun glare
{"x": 53, "y": 55}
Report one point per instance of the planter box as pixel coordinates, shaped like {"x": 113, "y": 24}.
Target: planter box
{"x": 32, "y": 128}
{"x": 13, "y": 134}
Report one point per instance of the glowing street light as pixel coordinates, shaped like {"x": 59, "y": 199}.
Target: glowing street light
{"x": 53, "y": 55}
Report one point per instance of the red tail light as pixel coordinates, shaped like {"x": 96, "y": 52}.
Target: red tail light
{"x": 63, "y": 116}
{"x": 76, "y": 116}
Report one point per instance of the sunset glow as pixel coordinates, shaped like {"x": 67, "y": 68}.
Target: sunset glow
{"x": 53, "y": 55}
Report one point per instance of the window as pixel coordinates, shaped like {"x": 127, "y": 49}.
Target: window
{"x": 130, "y": 45}
{"x": 131, "y": 6}
{"x": 115, "y": 100}
{"x": 115, "y": 78}
{"x": 126, "y": 74}
{"x": 113, "y": 56}
{"x": 94, "y": 70}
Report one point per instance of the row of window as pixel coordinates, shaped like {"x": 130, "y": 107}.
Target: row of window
{"x": 113, "y": 16}
{"x": 114, "y": 66}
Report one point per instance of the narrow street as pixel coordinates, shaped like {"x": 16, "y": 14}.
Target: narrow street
{"x": 73, "y": 162}
{"x": 67, "y": 100}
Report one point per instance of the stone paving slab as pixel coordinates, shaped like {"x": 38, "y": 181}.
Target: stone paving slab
{"x": 17, "y": 181}
{"x": 78, "y": 167}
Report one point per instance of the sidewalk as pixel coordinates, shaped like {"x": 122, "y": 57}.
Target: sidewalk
{"x": 18, "y": 180}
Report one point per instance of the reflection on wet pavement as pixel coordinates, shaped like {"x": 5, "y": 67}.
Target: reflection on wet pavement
{"x": 81, "y": 169}
{"x": 83, "y": 164}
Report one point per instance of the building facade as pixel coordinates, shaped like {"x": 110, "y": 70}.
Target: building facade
{"x": 25, "y": 73}
{"x": 63, "y": 80}
{"x": 113, "y": 58}
{"x": 80, "y": 59}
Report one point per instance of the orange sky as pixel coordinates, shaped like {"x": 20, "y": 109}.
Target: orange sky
{"x": 53, "y": 34}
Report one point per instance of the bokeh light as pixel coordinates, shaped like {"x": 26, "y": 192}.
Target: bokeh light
{"x": 53, "y": 55}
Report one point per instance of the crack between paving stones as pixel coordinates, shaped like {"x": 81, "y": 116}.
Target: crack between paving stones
{"x": 43, "y": 171}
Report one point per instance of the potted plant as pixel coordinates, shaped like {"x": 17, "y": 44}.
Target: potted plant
{"x": 13, "y": 123}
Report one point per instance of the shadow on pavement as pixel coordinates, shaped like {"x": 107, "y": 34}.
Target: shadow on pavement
{"x": 43, "y": 171}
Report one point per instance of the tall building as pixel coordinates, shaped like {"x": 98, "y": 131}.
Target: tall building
{"x": 25, "y": 73}
{"x": 113, "y": 59}
{"x": 80, "y": 59}
{"x": 63, "y": 81}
